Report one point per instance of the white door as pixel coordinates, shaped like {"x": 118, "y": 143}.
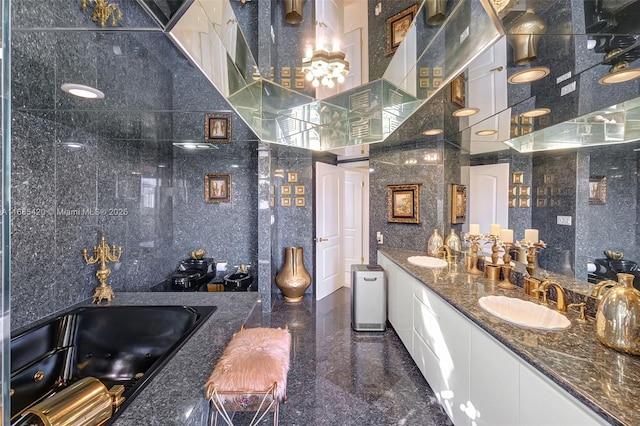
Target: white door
{"x": 354, "y": 221}
{"x": 329, "y": 211}
{"x": 353, "y": 52}
{"x": 489, "y": 195}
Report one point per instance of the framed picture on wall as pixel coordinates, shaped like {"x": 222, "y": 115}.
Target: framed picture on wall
{"x": 597, "y": 190}
{"x": 397, "y": 27}
{"x": 458, "y": 204}
{"x": 217, "y": 128}
{"x": 403, "y": 203}
{"x": 217, "y": 188}
{"x": 458, "y": 94}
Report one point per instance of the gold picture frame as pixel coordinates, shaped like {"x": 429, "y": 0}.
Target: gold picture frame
{"x": 458, "y": 204}
{"x": 524, "y": 191}
{"x": 524, "y": 202}
{"x": 300, "y": 202}
{"x": 217, "y": 188}
{"x": 597, "y": 190}
{"x": 292, "y": 177}
{"x": 458, "y": 91}
{"x": 397, "y": 27}
{"x": 403, "y": 203}
{"x": 299, "y": 189}
{"x": 217, "y": 128}
{"x": 517, "y": 178}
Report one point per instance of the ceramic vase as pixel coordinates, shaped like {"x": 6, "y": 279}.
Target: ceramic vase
{"x": 524, "y": 36}
{"x": 293, "y": 279}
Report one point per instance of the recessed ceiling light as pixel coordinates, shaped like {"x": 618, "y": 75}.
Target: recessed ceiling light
{"x": 82, "y": 91}
{"x": 432, "y": 132}
{"x": 538, "y": 112}
{"x": 529, "y": 75}
{"x": 487, "y": 132}
{"x": 621, "y": 76}
{"x": 465, "y": 112}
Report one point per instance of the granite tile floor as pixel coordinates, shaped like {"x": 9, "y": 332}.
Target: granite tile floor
{"x": 342, "y": 377}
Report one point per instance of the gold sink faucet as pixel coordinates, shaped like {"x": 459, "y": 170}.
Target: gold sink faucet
{"x": 561, "y": 296}
{"x": 447, "y": 252}
{"x": 601, "y": 286}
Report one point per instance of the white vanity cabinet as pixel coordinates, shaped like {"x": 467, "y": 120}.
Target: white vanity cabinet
{"x": 477, "y": 380}
{"x": 400, "y": 293}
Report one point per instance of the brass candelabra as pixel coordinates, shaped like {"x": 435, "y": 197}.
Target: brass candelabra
{"x": 103, "y": 11}
{"x": 102, "y": 254}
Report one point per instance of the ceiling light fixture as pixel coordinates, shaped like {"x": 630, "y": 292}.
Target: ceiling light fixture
{"x": 487, "y": 132}
{"x": 325, "y": 67}
{"x": 432, "y": 132}
{"x": 465, "y": 112}
{"x": 82, "y": 91}
{"x": 529, "y": 75}
{"x": 620, "y": 73}
{"x": 538, "y": 112}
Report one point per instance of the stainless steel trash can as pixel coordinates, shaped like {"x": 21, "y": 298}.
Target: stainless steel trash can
{"x": 368, "y": 298}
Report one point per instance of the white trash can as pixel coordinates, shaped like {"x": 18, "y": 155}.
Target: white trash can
{"x": 368, "y": 298}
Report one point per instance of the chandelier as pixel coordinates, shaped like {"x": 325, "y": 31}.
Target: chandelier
{"x": 325, "y": 67}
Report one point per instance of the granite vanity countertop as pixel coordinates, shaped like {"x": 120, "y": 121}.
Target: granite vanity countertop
{"x": 605, "y": 380}
{"x": 175, "y": 396}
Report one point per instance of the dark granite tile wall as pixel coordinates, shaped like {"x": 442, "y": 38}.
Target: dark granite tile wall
{"x": 394, "y": 166}
{"x": 554, "y": 175}
{"x": 610, "y": 226}
{"x": 293, "y": 226}
{"x": 378, "y": 59}
{"x": 227, "y": 231}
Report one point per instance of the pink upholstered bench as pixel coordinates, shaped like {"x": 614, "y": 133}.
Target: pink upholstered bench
{"x": 251, "y": 374}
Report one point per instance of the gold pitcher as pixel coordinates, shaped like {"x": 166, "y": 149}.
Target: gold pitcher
{"x": 524, "y": 36}
{"x": 293, "y": 11}
{"x": 436, "y": 12}
{"x": 618, "y": 316}
{"x": 293, "y": 279}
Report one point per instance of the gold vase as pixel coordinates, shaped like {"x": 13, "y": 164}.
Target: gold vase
{"x": 436, "y": 12}
{"x": 524, "y": 36}
{"x": 293, "y": 11}
{"x": 618, "y": 316}
{"x": 293, "y": 279}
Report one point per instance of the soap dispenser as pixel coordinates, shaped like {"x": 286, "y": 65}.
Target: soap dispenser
{"x": 434, "y": 243}
{"x": 618, "y": 316}
{"x": 453, "y": 241}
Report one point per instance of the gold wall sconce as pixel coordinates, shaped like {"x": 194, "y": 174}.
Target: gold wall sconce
{"x": 103, "y": 11}
{"x": 293, "y": 11}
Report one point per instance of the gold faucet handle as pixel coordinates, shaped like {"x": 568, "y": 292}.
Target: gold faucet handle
{"x": 583, "y": 317}
{"x": 544, "y": 295}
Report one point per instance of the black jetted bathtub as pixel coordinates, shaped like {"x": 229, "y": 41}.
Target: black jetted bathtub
{"x": 123, "y": 345}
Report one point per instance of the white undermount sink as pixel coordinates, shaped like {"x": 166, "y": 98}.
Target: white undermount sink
{"x": 427, "y": 261}
{"x": 524, "y": 313}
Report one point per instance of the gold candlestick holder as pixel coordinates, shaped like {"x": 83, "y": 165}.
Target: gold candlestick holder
{"x": 472, "y": 264}
{"x": 506, "y": 272}
{"x": 531, "y": 250}
{"x": 102, "y": 254}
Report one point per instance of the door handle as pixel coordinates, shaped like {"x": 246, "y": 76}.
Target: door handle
{"x": 320, "y": 239}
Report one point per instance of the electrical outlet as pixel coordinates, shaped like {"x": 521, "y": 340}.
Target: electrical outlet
{"x": 464, "y": 35}
{"x": 379, "y": 237}
{"x": 563, "y": 220}
{"x": 568, "y": 89}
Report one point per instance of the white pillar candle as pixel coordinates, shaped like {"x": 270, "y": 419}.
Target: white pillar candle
{"x": 494, "y": 229}
{"x": 474, "y": 229}
{"x": 506, "y": 235}
{"x": 531, "y": 235}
